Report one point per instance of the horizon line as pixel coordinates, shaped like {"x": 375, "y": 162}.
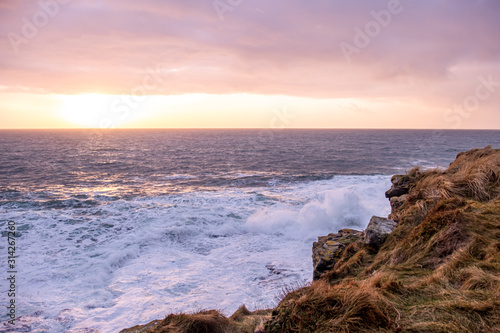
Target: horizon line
{"x": 250, "y": 128}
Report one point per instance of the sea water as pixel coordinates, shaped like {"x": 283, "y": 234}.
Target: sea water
{"x": 120, "y": 227}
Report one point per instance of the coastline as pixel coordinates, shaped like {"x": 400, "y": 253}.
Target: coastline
{"x": 431, "y": 273}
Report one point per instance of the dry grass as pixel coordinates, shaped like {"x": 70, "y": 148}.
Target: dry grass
{"x": 333, "y": 308}
{"x": 203, "y": 322}
{"x": 439, "y": 271}
{"x": 211, "y": 321}
{"x": 473, "y": 175}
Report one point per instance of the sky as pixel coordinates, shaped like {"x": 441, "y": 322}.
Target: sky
{"x": 250, "y": 64}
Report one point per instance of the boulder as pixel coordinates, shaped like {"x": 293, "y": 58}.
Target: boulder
{"x": 377, "y": 231}
{"x": 397, "y": 206}
{"x": 400, "y": 186}
{"x": 328, "y": 250}
{"x": 397, "y": 202}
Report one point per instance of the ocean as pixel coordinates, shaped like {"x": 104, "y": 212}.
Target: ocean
{"x": 120, "y": 227}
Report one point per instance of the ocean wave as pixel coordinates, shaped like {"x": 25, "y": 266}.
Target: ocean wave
{"x": 92, "y": 265}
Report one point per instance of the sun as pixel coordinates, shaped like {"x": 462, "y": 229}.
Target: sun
{"x": 86, "y": 110}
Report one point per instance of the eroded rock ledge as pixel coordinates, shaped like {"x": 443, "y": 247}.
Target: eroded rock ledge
{"x": 328, "y": 250}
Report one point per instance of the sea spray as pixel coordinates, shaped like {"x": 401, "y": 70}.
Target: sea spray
{"x": 95, "y": 266}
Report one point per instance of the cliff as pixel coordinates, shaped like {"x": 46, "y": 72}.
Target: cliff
{"x": 438, "y": 271}
{"x": 432, "y": 266}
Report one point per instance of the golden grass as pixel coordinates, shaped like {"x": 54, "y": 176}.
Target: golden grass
{"x": 210, "y": 321}
{"x": 439, "y": 271}
{"x": 473, "y": 175}
{"x": 333, "y": 308}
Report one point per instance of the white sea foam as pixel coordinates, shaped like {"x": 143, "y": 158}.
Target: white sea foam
{"x": 174, "y": 177}
{"x": 123, "y": 263}
{"x": 425, "y": 164}
{"x": 339, "y": 208}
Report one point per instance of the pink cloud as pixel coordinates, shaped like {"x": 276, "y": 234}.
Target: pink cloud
{"x": 280, "y": 47}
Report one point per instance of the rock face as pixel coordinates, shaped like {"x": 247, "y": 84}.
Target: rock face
{"x": 400, "y": 186}
{"x": 377, "y": 231}
{"x": 398, "y": 193}
{"x": 328, "y": 249}
{"x": 397, "y": 202}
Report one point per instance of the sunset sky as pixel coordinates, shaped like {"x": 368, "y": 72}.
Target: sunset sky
{"x": 250, "y": 64}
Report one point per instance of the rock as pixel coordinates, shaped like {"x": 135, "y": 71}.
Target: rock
{"x": 397, "y": 206}
{"x": 328, "y": 250}
{"x": 397, "y": 202}
{"x": 400, "y": 186}
{"x": 377, "y": 231}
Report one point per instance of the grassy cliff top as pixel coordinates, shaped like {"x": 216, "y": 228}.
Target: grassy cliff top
{"x": 439, "y": 271}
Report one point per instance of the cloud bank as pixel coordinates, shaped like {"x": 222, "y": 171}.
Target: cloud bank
{"x": 429, "y": 52}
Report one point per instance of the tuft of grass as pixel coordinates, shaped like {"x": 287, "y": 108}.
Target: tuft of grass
{"x": 210, "y": 321}
{"x": 338, "y": 308}
{"x": 288, "y": 289}
{"x": 473, "y": 175}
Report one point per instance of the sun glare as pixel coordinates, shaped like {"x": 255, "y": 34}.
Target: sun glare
{"x": 87, "y": 110}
